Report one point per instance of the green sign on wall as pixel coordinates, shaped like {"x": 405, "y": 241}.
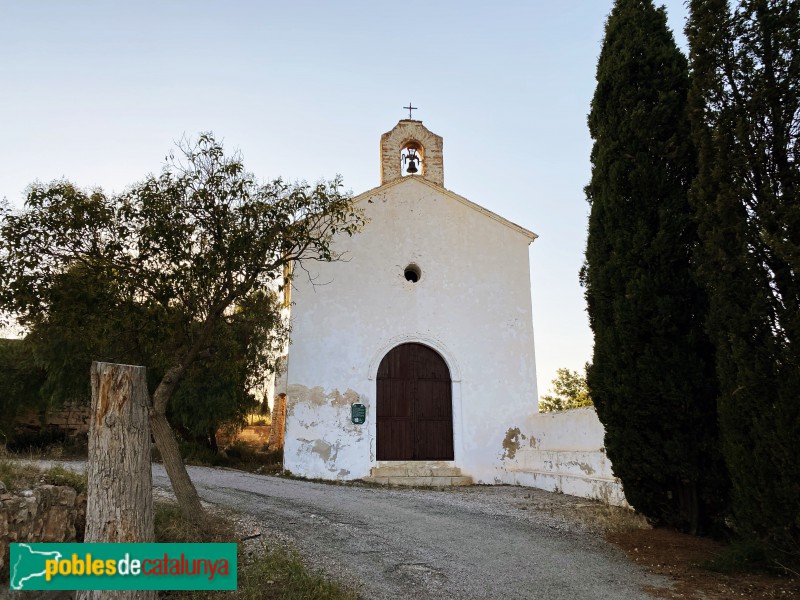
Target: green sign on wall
{"x": 358, "y": 412}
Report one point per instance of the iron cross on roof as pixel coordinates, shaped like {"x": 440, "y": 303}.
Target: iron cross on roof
{"x": 409, "y": 108}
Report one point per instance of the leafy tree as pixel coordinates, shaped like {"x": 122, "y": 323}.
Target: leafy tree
{"x": 88, "y": 320}
{"x": 652, "y": 377}
{"x": 218, "y": 388}
{"x": 746, "y": 124}
{"x": 190, "y": 246}
{"x": 570, "y": 391}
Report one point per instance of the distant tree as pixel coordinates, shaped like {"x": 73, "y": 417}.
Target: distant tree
{"x": 50, "y": 365}
{"x": 652, "y": 375}
{"x": 21, "y": 380}
{"x": 746, "y": 124}
{"x": 191, "y": 245}
{"x": 569, "y": 391}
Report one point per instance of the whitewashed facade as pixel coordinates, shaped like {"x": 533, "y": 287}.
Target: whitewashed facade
{"x": 471, "y": 303}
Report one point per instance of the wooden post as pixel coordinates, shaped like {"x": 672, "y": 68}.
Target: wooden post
{"x": 120, "y": 488}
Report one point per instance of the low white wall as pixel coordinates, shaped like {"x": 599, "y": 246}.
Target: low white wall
{"x": 563, "y": 452}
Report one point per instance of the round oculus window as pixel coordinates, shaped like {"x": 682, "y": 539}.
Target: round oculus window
{"x": 412, "y": 273}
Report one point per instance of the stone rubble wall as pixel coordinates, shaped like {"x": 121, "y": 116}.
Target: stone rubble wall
{"x": 45, "y": 513}
{"x": 72, "y": 418}
{"x": 278, "y": 427}
{"x": 411, "y": 131}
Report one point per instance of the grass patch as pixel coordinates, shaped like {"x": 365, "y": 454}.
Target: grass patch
{"x": 60, "y": 476}
{"x": 18, "y": 476}
{"x": 611, "y": 519}
{"x": 265, "y": 571}
{"x": 171, "y": 527}
{"x": 275, "y": 572}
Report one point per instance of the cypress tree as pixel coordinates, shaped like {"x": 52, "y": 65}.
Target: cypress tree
{"x": 652, "y": 375}
{"x": 745, "y": 103}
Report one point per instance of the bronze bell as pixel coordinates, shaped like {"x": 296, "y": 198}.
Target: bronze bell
{"x": 412, "y": 159}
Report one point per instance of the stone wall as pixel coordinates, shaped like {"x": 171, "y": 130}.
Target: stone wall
{"x": 45, "y": 513}
{"x": 71, "y": 418}
{"x": 563, "y": 452}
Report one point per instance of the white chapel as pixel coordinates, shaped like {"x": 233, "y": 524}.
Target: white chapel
{"x": 415, "y": 355}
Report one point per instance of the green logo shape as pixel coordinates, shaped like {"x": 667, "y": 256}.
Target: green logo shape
{"x": 123, "y": 566}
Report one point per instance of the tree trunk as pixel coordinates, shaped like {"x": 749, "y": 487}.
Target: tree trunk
{"x": 185, "y": 492}
{"x": 212, "y": 441}
{"x": 120, "y": 485}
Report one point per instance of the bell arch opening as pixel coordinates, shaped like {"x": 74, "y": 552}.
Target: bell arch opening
{"x": 412, "y": 158}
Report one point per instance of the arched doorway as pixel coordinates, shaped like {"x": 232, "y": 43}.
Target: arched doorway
{"x": 415, "y": 406}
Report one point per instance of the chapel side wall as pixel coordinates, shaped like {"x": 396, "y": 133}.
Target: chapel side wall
{"x": 563, "y": 452}
{"x": 473, "y": 301}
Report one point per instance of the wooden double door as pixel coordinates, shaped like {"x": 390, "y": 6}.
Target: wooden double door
{"x": 414, "y": 405}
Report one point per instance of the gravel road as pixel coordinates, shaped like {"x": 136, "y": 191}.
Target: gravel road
{"x": 476, "y": 542}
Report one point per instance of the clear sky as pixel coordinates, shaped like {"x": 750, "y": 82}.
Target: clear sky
{"x": 98, "y": 91}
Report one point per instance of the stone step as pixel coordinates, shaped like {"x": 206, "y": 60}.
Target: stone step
{"x": 433, "y": 481}
{"x": 416, "y": 469}
{"x": 418, "y": 474}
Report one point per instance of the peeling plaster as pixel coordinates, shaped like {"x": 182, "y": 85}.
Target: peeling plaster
{"x": 329, "y": 446}
{"x": 300, "y": 394}
{"x": 316, "y": 396}
{"x": 346, "y": 399}
{"x": 323, "y": 449}
{"x": 512, "y": 442}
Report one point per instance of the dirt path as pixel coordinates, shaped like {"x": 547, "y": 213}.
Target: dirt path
{"x": 480, "y": 542}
